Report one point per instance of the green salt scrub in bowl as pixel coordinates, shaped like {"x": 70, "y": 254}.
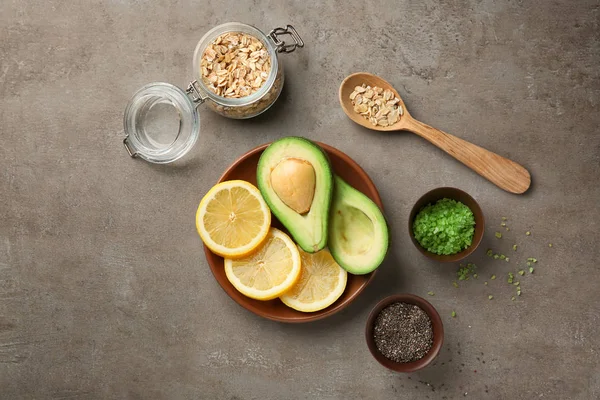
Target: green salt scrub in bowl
{"x": 445, "y": 228}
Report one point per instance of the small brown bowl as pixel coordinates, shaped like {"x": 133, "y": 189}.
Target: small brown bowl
{"x": 436, "y": 323}
{"x": 245, "y": 168}
{"x": 455, "y": 194}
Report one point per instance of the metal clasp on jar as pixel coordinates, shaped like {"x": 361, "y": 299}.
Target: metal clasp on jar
{"x": 195, "y": 94}
{"x": 280, "y": 45}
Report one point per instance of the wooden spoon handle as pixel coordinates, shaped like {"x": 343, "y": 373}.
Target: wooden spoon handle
{"x": 503, "y": 172}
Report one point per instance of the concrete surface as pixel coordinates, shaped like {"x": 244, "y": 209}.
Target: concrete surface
{"x": 104, "y": 290}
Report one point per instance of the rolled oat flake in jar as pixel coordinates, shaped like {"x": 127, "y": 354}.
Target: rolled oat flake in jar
{"x": 237, "y": 75}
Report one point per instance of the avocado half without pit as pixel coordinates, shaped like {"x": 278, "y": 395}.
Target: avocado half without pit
{"x": 318, "y": 208}
{"x": 358, "y": 231}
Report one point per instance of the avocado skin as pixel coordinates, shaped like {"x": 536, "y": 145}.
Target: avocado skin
{"x": 323, "y": 170}
{"x": 345, "y": 196}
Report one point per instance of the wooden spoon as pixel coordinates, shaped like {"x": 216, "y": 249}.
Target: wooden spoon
{"x": 503, "y": 172}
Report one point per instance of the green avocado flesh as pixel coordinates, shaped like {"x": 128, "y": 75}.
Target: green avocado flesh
{"x": 358, "y": 232}
{"x": 308, "y": 229}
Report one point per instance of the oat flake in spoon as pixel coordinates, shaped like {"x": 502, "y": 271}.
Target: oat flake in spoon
{"x": 379, "y": 106}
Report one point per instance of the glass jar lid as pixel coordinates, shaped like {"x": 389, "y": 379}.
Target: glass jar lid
{"x": 161, "y": 123}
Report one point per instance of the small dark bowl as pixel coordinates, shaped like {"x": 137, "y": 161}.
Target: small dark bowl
{"x": 436, "y": 323}
{"x": 454, "y": 194}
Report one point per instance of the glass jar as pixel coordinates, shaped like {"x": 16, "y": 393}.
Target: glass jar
{"x": 258, "y": 102}
{"x": 161, "y": 121}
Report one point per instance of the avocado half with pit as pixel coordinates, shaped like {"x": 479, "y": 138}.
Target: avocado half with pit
{"x": 358, "y": 231}
{"x": 295, "y": 179}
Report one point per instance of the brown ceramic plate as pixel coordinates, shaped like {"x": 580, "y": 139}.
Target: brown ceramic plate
{"x": 245, "y": 168}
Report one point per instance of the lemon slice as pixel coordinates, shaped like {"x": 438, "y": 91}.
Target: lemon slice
{"x": 322, "y": 281}
{"x": 268, "y": 272}
{"x": 233, "y": 219}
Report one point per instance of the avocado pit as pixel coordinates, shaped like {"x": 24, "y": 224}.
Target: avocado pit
{"x": 293, "y": 180}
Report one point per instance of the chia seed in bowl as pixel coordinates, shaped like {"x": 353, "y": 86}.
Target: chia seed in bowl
{"x": 403, "y": 332}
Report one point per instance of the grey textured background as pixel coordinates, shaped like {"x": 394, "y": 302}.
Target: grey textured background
{"x": 104, "y": 290}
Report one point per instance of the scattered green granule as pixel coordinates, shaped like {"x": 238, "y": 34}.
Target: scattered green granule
{"x": 549, "y": 244}
{"x": 502, "y": 257}
{"x": 490, "y": 297}
{"x": 490, "y": 253}
{"x": 431, "y": 293}
{"x": 496, "y": 256}
{"x": 453, "y": 314}
{"x": 507, "y": 259}
{"x": 464, "y": 272}
{"x": 504, "y": 218}
{"x": 513, "y": 298}
{"x": 498, "y": 235}
{"x": 507, "y": 229}
{"x": 517, "y": 283}
{"x": 518, "y": 291}
{"x": 455, "y": 284}
{"x": 445, "y": 228}
{"x": 485, "y": 283}
{"x": 531, "y": 270}
{"x": 521, "y": 272}
{"x": 475, "y": 276}
{"x": 531, "y": 259}
{"x": 493, "y": 277}
{"x": 510, "y": 277}
{"x": 503, "y": 224}
{"x": 528, "y": 233}
{"x": 514, "y": 247}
